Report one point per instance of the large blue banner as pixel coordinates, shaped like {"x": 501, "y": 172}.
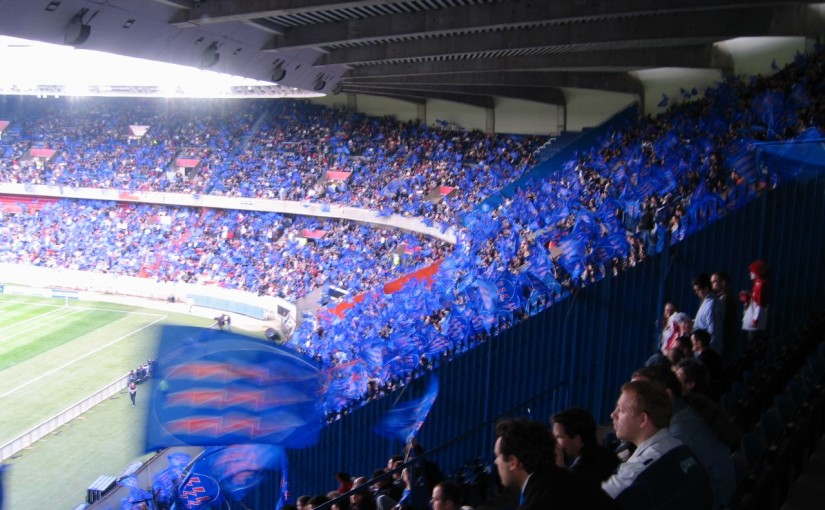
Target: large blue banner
{"x": 218, "y": 388}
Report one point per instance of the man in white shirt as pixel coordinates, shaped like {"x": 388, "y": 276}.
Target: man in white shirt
{"x": 707, "y": 317}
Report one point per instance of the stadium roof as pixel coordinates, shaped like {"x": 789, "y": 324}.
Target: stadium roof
{"x": 465, "y": 50}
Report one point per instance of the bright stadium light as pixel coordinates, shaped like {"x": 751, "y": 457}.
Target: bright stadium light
{"x": 91, "y": 73}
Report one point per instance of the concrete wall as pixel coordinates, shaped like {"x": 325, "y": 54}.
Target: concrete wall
{"x": 589, "y": 108}
{"x": 746, "y": 56}
{"x": 527, "y": 117}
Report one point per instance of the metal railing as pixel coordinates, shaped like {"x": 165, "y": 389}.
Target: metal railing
{"x": 28, "y": 438}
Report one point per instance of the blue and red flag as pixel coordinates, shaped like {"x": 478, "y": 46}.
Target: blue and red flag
{"x": 220, "y": 388}
{"x": 234, "y": 472}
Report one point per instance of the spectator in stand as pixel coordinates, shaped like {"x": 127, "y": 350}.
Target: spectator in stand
{"x": 302, "y": 502}
{"x": 344, "y": 482}
{"x": 709, "y": 358}
{"x": 666, "y": 325}
{"x": 385, "y": 492}
{"x": 315, "y": 502}
{"x": 524, "y": 453}
{"x": 693, "y": 375}
{"x": 706, "y": 316}
{"x": 662, "y": 472}
{"x": 446, "y": 496}
{"x": 707, "y": 433}
{"x": 720, "y": 283}
{"x": 755, "y": 318}
{"x": 362, "y": 498}
{"x": 577, "y": 448}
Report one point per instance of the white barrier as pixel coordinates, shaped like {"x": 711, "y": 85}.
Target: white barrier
{"x": 28, "y": 438}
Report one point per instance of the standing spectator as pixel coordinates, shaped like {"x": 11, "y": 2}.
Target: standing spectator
{"x": 706, "y": 315}
{"x": 524, "y": 453}
{"x": 728, "y": 311}
{"x": 755, "y": 319}
{"x": 577, "y": 447}
{"x": 133, "y": 392}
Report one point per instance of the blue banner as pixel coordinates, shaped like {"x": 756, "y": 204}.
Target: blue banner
{"x": 216, "y": 388}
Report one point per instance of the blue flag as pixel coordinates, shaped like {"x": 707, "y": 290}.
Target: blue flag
{"x": 165, "y": 483}
{"x": 230, "y": 473}
{"x": 218, "y": 388}
{"x": 405, "y": 420}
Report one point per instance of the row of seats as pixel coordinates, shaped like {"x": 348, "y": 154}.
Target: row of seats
{"x": 778, "y": 401}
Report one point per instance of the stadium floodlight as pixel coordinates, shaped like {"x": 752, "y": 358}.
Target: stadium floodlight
{"x": 319, "y": 83}
{"x": 77, "y": 32}
{"x": 210, "y": 56}
{"x": 278, "y": 74}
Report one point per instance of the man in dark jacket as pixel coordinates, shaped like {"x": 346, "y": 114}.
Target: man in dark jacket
{"x": 577, "y": 448}
{"x": 524, "y": 453}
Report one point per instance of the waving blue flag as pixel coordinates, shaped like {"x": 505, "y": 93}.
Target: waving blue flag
{"x": 229, "y": 473}
{"x": 405, "y": 420}
{"x": 216, "y": 388}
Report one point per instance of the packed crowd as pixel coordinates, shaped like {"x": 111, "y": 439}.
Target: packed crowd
{"x": 264, "y": 253}
{"x": 288, "y": 150}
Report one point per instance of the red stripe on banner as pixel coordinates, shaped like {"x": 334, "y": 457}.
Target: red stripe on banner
{"x": 338, "y": 176}
{"x": 42, "y": 153}
{"x": 187, "y": 162}
{"x": 392, "y": 287}
{"x": 445, "y": 190}
{"x": 313, "y": 234}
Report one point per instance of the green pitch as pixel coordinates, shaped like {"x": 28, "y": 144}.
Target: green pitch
{"x": 53, "y": 354}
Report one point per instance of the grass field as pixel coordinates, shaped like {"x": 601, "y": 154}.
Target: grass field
{"x": 52, "y": 355}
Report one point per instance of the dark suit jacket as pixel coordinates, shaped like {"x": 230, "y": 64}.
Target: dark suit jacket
{"x": 595, "y": 462}
{"x": 558, "y": 488}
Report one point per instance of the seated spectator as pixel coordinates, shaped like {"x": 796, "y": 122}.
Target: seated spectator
{"x": 662, "y": 473}
{"x": 707, "y": 440}
{"x": 315, "y": 502}
{"x": 302, "y": 502}
{"x": 362, "y": 498}
{"x": 524, "y": 452}
{"x": 385, "y": 492}
{"x": 577, "y": 447}
{"x": 693, "y": 375}
{"x": 682, "y": 349}
{"x": 700, "y": 340}
{"x": 340, "y": 504}
{"x": 344, "y": 482}
{"x": 446, "y": 496}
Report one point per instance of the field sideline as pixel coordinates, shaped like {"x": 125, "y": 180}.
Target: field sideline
{"x": 53, "y": 354}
